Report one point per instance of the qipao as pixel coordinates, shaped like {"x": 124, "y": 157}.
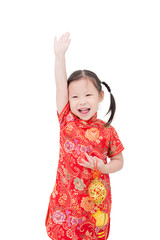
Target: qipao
{"x": 70, "y": 208}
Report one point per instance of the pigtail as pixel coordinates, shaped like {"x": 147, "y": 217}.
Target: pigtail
{"x": 112, "y": 107}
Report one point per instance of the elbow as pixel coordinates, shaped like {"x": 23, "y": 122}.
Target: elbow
{"x": 122, "y": 162}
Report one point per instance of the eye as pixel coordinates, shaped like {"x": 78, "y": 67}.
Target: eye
{"x": 74, "y": 97}
{"x": 88, "y": 95}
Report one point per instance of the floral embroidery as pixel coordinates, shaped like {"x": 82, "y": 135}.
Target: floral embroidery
{"x": 87, "y": 204}
{"x": 62, "y": 199}
{"x": 94, "y": 209}
{"x": 79, "y": 160}
{"x": 68, "y": 146}
{"x": 86, "y": 174}
{"x": 74, "y": 201}
{"x": 80, "y": 220}
{"x": 69, "y": 129}
{"x": 68, "y": 212}
{"x": 58, "y": 217}
{"x": 79, "y": 184}
{"x": 83, "y": 219}
{"x": 77, "y": 149}
{"x": 83, "y": 148}
{"x": 111, "y": 152}
{"x": 97, "y": 141}
{"x": 70, "y": 117}
{"x": 88, "y": 234}
{"x": 60, "y": 233}
{"x": 64, "y": 180}
{"x": 86, "y": 238}
{"x": 54, "y": 193}
{"x": 68, "y": 221}
{"x": 72, "y": 161}
{"x": 70, "y": 233}
{"x": 74, "y": 221}
{"x": 78, "y": 209}
{"x": 88, "y": 149}
{"x": 92, "y": 134}
{"x": 67, "y": 175}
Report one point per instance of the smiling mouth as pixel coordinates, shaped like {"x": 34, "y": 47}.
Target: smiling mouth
{"x": 84, "y": 110}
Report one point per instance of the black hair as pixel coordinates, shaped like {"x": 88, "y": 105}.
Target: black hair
{"x": 98, "y": 84}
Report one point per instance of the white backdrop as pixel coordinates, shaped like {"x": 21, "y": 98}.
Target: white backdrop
{"x": 119, "y": 41}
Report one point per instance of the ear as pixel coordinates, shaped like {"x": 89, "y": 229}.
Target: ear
{"x": 101, "y": 96}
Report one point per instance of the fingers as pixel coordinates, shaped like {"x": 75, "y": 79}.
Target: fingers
{"x": 96, "y": 162}
{"x": 90, "y": 158}
{"x": 64, "y": 37}
{"x": 86, "y": 164}
{"x": 68, "y": 42}
{"x": 61, "y": 45}
{"x": 93, "y": 163}
{"x": 90, "y": 163}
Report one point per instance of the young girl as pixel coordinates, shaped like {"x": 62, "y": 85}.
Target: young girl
{"x": 80, "y": 204}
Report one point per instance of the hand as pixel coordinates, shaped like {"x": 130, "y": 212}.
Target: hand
{"x": 61, "y": 45}
{"x": 93, "y": 162}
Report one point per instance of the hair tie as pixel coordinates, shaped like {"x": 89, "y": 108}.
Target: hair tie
{"x": 109, "y": 90}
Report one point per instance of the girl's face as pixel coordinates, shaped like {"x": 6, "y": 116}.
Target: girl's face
{"x": 84, "y": 98}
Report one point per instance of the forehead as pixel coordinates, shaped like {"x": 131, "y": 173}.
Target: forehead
{"x": 82, "y": 84}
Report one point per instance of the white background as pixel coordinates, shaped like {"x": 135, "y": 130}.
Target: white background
{"x": 119, "y": 41}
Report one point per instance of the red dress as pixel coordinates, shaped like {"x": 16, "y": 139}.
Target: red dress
{"x": 70, "y": 207}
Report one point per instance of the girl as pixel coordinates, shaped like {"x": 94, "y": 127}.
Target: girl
{"x": 80, "y": 204}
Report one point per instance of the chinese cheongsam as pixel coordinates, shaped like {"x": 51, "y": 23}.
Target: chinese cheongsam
{"x": 70, "y": 208}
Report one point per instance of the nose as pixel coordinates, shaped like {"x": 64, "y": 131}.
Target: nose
{"x": 82, "y": 101}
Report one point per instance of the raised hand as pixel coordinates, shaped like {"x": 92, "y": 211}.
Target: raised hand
{"x": 61, "y": 45}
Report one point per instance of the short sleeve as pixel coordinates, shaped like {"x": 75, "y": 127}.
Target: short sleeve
{"x": 115, "y": 145}
{"x": 62, "y": 116}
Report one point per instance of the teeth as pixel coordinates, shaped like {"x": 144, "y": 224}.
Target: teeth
{"x": 83, "y": 109}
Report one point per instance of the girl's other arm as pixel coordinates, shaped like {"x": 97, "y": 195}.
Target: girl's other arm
{"x": 60, "y": 48}
{"x": 114, "y": 165}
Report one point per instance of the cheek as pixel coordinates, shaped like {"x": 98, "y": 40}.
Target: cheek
{"x": 95, "y": 101}
{"x": 72, "y": 104}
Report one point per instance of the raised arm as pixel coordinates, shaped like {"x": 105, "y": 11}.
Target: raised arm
{"x": 60, "y": 48}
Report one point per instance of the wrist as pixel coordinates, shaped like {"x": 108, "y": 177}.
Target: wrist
{"x": 60, "y": 55}
{"x": 105, "y": 169}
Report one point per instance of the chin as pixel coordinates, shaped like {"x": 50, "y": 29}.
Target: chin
{"x": 85, "y": 117}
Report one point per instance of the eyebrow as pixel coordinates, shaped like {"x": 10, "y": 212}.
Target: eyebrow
{"x": 76, "y": 93}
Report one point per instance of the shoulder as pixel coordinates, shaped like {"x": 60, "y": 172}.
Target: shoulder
{"x": 66, "y": 115}
{"x": 107, "y": 131}
{"x": 102, "y": 123}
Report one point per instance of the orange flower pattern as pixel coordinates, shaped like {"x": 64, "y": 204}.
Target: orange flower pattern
{"x": 70, "y": 207}
{"x": 92, "y": 134}
{"x": 87, "y": 204}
